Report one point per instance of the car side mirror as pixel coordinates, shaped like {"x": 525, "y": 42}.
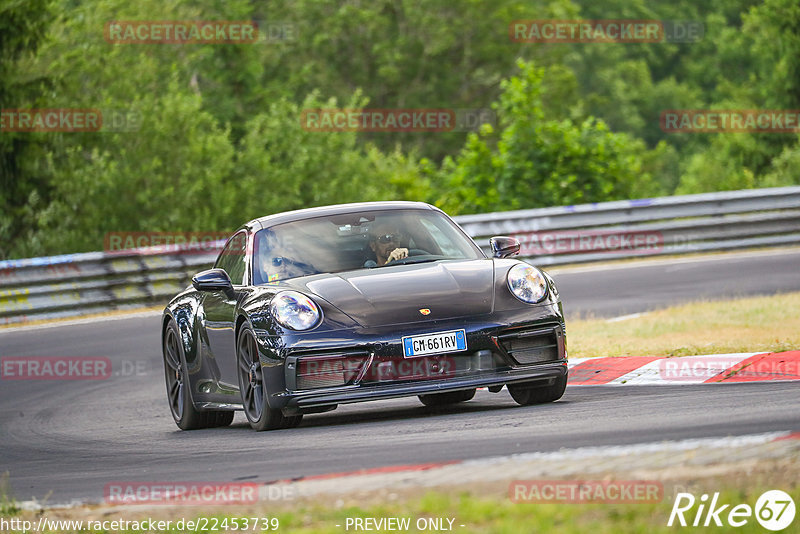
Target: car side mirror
{"x": 212, "y": 280}
{"x": 503, "y": 246}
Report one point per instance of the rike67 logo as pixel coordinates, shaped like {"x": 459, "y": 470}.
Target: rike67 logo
{"x": 774, "y": 510}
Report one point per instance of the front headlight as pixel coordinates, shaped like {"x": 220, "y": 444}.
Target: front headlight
{"x": 527, "y": 283}
{"x": 294, "y": 310}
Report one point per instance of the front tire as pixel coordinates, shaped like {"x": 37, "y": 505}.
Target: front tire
{"x": 253, "y": 388}
{"x": 179, "y": 394}
{"x": 443, "y": 399}
{"x": 525, "y": 395}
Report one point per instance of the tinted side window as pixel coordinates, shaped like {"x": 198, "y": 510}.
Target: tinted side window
{"x": 233, "y": 258}
{"x": 445, "y": 243}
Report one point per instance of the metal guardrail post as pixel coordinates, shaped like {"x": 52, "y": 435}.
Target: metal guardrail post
{"x": 75, "y": 284}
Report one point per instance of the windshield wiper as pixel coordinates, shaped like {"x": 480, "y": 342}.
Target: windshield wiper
{"x": 413, "y": 259}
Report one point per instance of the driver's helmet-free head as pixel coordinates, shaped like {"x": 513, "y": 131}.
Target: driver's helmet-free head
{"x": 274, "y": 258}
{"x": 387, "y": 233}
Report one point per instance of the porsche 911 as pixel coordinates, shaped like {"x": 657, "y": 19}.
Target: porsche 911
{"x": 309, "y": 309}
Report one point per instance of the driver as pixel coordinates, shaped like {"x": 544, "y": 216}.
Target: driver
{"x": 276, "y": 260}
{"x": 387, "y": 244}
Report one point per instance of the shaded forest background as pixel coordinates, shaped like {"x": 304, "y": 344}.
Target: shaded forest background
{"x": 220, "y": 140}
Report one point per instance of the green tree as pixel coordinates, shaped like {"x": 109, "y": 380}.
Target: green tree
{"x": 769, "y": 47}
{"x": 221, "y": 123}
{"x": 282, "y": 165}
{"x": 171, "y": 175}
{"x": 542, "y": 162}
{"x": 406, "y": 54}
{"x": 23, "y": 185}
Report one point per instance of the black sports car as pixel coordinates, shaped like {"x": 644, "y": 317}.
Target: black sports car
{"x": 312, "y": 308}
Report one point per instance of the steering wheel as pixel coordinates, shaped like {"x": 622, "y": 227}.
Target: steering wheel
{"x": 411, "y": 253}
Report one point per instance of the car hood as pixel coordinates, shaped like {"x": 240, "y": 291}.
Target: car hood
{"x": 396, "y": 294}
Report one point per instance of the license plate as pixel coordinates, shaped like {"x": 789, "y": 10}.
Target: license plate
{"x": 434, "y": 343}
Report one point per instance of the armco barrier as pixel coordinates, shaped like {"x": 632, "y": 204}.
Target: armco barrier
{"x": 682, "y": 224}
{"x": 76, "y": 284}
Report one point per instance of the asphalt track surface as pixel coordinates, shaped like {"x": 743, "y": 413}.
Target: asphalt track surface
{"x": 627, "y": 288}
{"x": 63, "y": 441}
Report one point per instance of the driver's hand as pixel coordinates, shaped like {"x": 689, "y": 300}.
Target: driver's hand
{"x": 397, "y": 254}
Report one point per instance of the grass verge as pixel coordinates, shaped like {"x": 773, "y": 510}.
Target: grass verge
{"x": 469, "y": 513}
{"x": 8, "y": 506}
{"x": 752, "y": 324}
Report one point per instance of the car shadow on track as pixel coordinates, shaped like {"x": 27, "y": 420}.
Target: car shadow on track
{"x": 378, "y": 414}
{"x": 350, "y": 415}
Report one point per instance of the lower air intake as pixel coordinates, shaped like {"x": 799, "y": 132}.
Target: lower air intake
{"x": 533, "y": 347}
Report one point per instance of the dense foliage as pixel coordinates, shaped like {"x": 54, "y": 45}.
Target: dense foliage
{"x": 214, "y": 135}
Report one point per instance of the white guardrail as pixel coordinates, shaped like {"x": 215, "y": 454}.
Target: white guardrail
{"x": 78, "y": 284}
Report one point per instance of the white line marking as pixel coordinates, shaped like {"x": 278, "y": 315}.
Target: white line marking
{"x": 626, "y": 317}
{"x": 680, "y": 371}
{"x": 84, "y": 320}
{"x": 648, "y": 447}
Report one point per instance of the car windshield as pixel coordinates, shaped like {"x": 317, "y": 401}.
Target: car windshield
{"x": 362, "y": 240}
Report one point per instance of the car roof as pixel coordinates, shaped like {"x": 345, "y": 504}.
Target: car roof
{"x": 336, "y": 209}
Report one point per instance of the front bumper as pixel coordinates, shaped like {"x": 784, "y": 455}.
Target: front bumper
{"x": 541, "y": 376}
{"x": 514, "y": 348}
